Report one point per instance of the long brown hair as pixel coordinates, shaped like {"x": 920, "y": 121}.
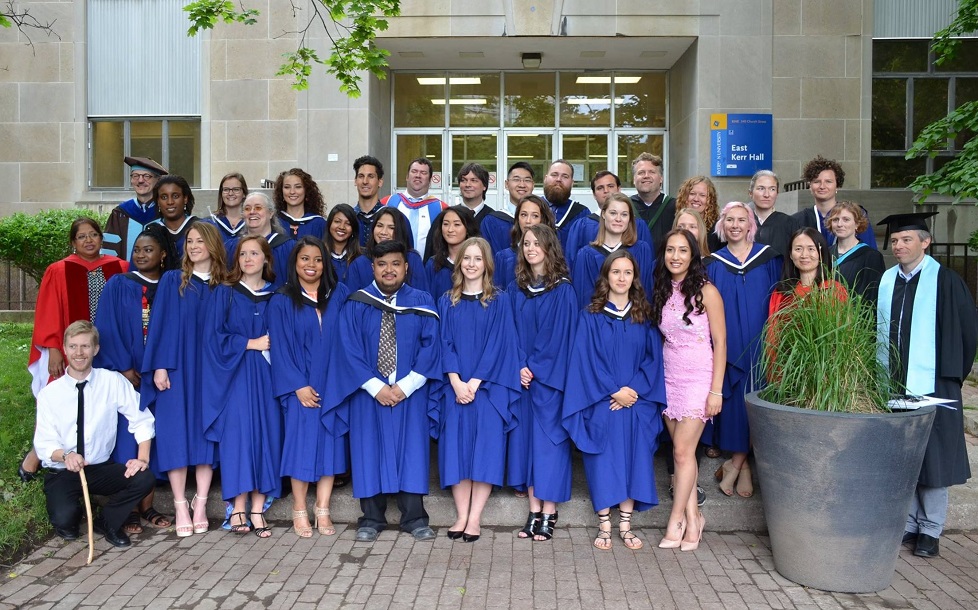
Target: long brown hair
{"x": 266, "y": 271}
{"x": 554, "y": 265}
{"x": 630, "y": 236}
{"x": 546, "y": 218}
{"x": 458, "y": 280}
{"x": 215, "y": 247}
{"x": 641, "y": 309}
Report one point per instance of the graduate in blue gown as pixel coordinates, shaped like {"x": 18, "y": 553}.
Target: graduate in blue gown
{"x": 545, "y": 308}
{"x": 568, "y": 214}
{"x": 617, "y": 229}
{"x": 745, "y": 273}
{"x": 615, "y": 393}
{"x": 229, "y": 218}
{"x": 449, "y": 229}
{"x": 389, "y": 224}
{"x": 172, "y": 368}
{"x": 383, "y": 394}
{"x": 260, "y": 221}
{"x": 303, "y": 322}
{"x": 299, "y": 204}
{"x": 240, "y": 413}
{"x": 480, "y": 356}
{"x": 175, "y": 202}
{"x": 122, "y": 317}
{"x": 530, "y": 210}
{"x": 342, "y": 239}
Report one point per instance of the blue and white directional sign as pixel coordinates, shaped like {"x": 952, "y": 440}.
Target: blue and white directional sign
{"x": 740, "y": 144}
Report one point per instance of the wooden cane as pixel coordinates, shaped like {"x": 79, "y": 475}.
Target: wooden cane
{"x": 88, "y": 514}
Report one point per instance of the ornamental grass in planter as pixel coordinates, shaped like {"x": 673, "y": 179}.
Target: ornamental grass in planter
{"x": 837, "y": 470}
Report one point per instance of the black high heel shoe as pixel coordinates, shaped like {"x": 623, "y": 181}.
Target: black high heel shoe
{"x": 547, "y": 523}
{"x": 454, "y": 534}
{"x": 469, "y": 537}
{"x": 532, "y": 523}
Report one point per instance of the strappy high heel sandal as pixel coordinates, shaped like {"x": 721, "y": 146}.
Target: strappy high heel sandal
{"x": 300, "y": 523}
{"x": 727, "y": 475}
{"x": 627, "y": 535}
{"x": 240, "y": 528}
{"x": 184, "y": 528}
{"x": 265, "y": 531}
{"x": 603, "y": 540}
{"x": 547, "y": 523}
{"x": 532, "y": 523}
{"x": 322, "y": 519}
{"x": 200, "y": 504}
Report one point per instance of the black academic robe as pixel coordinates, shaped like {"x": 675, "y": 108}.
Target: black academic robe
{"x": 777, "y": 231}
{"x": 946, "y": 457}
{"x": 658, "y": 222}
{"x": 860, "y": 270}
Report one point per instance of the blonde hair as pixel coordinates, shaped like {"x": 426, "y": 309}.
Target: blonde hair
{"x": 702, "y": 231}
{"x": 458, "y": 280}
{"x": 711, "y": 212}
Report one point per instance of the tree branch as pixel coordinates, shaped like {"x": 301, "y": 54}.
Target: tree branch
{"x": 25, "y": 22}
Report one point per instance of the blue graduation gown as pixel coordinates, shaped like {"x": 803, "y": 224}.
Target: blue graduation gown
{"x": 495, "y": 227}
{"x": 439, "y": 282}
{"x": 505, "y": 262}
{"x": 361, "y": 273}
{"x": 240, "y": 413}
{"x": 174, "y": 342}
{"x": 119, "y": 320}
{"x": 125, "y": 222}
{"x": 610, "y": 352}
{"x": 574, "y": 226}
{"x": 367, "y": 221}
{"x": 477, "y": 343}
{"x": 177, "y": 238}
{"x": 539, "y": 448}
{"x": 389, "y": 447}
{"x": 587, "y": 268}
{"x": 309, "y": 224}
{"x": 584, "y": 233}
{"x": 341, "y": 266}
{"x": 281, "y": 246}
{"x": 224, "y": 226}
{"x": 746, "y": 291}
{"x": 301, "y": 350}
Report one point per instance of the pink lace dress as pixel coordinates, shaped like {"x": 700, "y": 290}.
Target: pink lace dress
{"x": 687, "y": 356}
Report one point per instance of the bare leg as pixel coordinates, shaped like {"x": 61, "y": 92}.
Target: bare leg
{"x": 239, "y": 515}
{"x": 31, "y": 462}
{"x": 181, "y": 508}
{"x": 262, "y": 530}
{"x": 324, "y": 492}
{"x": 300, "y": 514}
{"x": 462, "y": 494}
{"x": 480, "y": 495}
{"x": 204, "y": 474}
{"x": 548, "y": 508}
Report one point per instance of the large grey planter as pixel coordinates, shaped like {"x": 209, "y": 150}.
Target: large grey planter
{"x": 836, "y": 489}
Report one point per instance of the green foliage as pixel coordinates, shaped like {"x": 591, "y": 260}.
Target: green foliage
{"x": 820, "y": 352}
{"x": 352, "y": 32}
{"x": 5, "y": 22}
{"x": 23, "y": 518}
{"x": 31, "y": 242}
{"x": 959, "y": 177}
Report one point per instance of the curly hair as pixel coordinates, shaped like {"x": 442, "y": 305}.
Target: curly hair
{"x": 712, "y": 211}
{"x": 818, "y": 165}
{"x": 266, "y": 271}
{"x": 215, "y": 248}
{"x": 554, "y": 264}
{"x": 313, "y": 203}
{"x": 862, "y": 223}
{"x": 641, "y": 309}
{"x": 439, "y": 247}
{"x": 546, "y": 218}
{"x": 692, "y": 285}
{"x": 790, "y": 276}
{"x": 458, "y": 280}
{"x": 630, "y": 236}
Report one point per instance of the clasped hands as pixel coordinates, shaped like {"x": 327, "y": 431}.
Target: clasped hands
{"x": 390, "y": 395}
{"x": 464, "y": 391}
{"x": 623, "y": 398}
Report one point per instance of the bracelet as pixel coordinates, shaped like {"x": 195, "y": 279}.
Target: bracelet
{"x": 716, "y": 393}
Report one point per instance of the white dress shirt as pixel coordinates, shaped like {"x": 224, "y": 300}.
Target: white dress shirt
{"x": 409, "y": 384}
{"x": 106, "y": 394}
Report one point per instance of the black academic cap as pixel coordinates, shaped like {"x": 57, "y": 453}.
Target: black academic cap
{"x": 147, "y": 164}
{"x": 905, "y": 222}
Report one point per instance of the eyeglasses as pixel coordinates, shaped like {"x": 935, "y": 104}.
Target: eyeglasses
{"x": 521, "y": 180}
{"x": 137, "y": 176}
{"x": 87, "y": 236}
{"x": 233, "y": 189}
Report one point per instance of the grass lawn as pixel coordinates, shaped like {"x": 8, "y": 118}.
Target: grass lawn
{"x": 23, "y": 519}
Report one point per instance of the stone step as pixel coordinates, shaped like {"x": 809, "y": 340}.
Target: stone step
{"x": 724, "y": 514}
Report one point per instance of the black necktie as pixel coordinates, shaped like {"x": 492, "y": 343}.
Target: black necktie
{"x": 80, "y": 450}
{"x": 387, "y": 350}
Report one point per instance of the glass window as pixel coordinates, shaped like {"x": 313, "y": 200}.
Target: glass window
{"x": 895, "y": 171}
{"x": 889, "y": 114}
{"x": 473, "y": 148}
{"x": 588, "y": 153}
{"x": 146, "y": 139}
{"x": 410, "y": 146}
{"x": 533, "y": 148}
{"x": 631, "y": 146}
{"x": 965, "y": 58}
{"x": 966, "y": 90}
{"x": 183, "y": 144}
{"x": 473, "y": 100}
{"x": 929, "y": 102}
{"x": 415, "y": 95}
{"x": 108, "y": 150}
{"x": 530, "y": 100}
{"x": 585, "y": 99}
{"x": 642, "y": 100}
{"x": 900, "y": 55}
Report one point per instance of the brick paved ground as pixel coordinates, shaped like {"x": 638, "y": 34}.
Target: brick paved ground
{"x": 222, "y": 570}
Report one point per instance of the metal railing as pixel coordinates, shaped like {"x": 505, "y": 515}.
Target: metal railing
{"x": 18, "y": 291}
{"x": 960, "y": 258}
